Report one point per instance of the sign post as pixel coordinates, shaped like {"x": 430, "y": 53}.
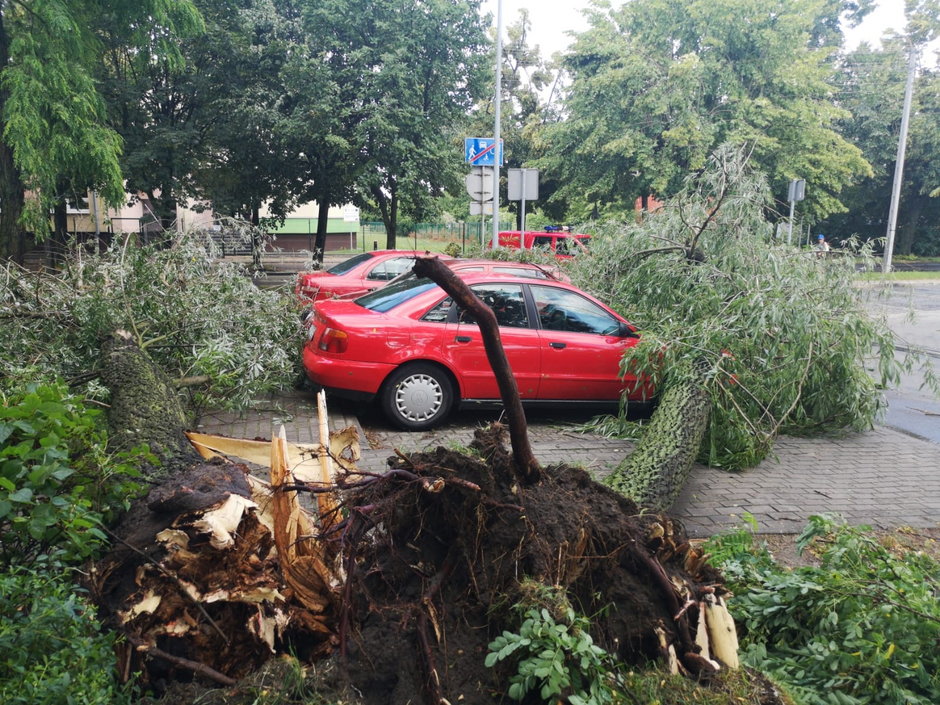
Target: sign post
{"x": 482, "y": 153}
{"x": 523, "y": 185}
{"x": 796, "y": 192}
{"x": 479, "y": 184}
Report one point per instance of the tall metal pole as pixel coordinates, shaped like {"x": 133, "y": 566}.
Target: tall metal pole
{"x": 482, "y": 205}
{"x": 899, "y": 164}
{"x": 522, "y": 205}
{"x": 790, "y": 229}
{"x": 499, "y": 92}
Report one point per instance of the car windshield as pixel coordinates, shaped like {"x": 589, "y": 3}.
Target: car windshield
{"x": 349, "y": 264}
{"x": 387, "y": 298}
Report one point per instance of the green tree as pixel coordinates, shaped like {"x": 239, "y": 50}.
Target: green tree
{"x": 322, "y": 112}
{"x": 871, "y": 89}
{"x": 657, "y": 85}
{"x": 53, "y": 118}
{"x": 783, "y": 337}
{"x": 167, "y": 107}
{"x": 422, "y": 66}
{"x": 247, "y": 163}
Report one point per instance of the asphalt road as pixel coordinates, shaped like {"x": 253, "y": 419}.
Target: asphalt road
{"x": 912, "y": 311}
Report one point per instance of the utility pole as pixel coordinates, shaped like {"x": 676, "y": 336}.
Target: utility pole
{"x": 899, "y": 163}
{"x": 496, "y": 135}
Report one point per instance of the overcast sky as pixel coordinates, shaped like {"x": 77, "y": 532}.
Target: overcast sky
{"x": 551, "y": 19}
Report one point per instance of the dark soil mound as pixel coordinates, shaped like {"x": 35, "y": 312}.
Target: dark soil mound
{"x": 450, "y": 537}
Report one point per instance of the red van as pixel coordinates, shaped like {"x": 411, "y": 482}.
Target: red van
{"x": 563, "y": 245}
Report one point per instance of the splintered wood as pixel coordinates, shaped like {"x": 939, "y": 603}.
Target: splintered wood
{"x": 222, "y": 587}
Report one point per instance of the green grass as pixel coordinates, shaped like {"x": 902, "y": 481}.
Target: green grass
{"x": 900, "y": 276}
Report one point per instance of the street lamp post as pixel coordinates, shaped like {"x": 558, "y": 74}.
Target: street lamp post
{"x": 496, "y": 136}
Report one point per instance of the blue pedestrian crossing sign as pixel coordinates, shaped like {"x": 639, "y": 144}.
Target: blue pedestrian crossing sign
{"x": 481, "y": 151}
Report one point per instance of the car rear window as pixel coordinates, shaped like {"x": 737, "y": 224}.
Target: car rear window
{"x": 347, "y": 265}
{"x": 388, "y": 297}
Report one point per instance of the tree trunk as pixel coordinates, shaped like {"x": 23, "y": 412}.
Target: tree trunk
{"x": 654, "y": 474}
{"x": 528, "y": 467}
{"x": 908, "y": 231}
{"x": 57, "y": 245}
{"x": 323, "y": 219}
{"x": 388, "y": 206}
{"x": 12, "y": 235}
{"x": 145, "y": 407}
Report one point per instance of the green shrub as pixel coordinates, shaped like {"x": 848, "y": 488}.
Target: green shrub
{"x": 862, "y": 628}
{"x": 52, "y": 650}
{"x": 557, "y": 658}
{"x": 57, "y": 482}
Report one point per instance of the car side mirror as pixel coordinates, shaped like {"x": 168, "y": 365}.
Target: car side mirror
{"x": 627, "y": 332}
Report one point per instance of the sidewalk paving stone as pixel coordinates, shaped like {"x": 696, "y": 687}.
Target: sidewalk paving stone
{"x": 882, "y": 478}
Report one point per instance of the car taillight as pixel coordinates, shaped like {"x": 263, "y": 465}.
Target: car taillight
{"x": 333, "y": 341}
{"x": 303, "y": 290}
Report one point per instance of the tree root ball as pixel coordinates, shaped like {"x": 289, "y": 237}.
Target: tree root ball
{"x": 438, "y": 551}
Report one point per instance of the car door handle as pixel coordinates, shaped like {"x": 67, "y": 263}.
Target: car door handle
{"x": 557, "y": 346}
{"x": 463, "y": 339}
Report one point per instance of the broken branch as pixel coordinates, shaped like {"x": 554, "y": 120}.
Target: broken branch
{"x": 528, "y": 467}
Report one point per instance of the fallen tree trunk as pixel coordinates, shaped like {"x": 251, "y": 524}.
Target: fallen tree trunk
{"x": 655, "y": 473}
{"x": 145, "y": 408}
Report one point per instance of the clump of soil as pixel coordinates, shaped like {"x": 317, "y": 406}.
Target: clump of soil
{"x": 437, "y": 549}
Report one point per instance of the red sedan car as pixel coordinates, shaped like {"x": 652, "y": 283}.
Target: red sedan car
{"x": 359, "y": 274}
{"x": 373, "y": 270}
{"x": 409, "y": 346}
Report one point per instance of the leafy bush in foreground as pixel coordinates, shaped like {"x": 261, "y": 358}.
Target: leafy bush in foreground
{"x": 52, "y": 649}
{"x": 862, "y": 628}
{"x": 556, "y": 658}
{"x": 57, "y": 481}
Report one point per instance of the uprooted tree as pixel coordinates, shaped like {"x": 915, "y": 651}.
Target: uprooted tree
{"x": 403, "y": 576}
{"x": 784, "y": 336}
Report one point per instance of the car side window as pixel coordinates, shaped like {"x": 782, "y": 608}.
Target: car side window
{"x": 543, "y": 241}
{"x": 389, "y": 269}
{"x": 439, "y": 313}
{"x": 565, "y": 246}
{"x": 563, "y": 310}
{"x": 507, "y": 302}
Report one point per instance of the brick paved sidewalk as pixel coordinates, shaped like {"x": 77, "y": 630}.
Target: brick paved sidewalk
{"x": 883, "y": 478}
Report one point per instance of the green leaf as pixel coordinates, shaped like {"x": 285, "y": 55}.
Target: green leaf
{"x": 24, "y": 495}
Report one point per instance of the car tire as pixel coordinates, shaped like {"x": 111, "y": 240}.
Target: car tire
{"x": 417, "y": 396}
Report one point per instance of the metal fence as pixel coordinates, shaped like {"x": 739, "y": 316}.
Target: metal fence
{"x": 464, "y": 233}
